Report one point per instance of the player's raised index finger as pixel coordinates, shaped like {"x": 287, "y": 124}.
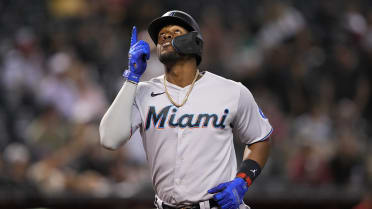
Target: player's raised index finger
{"x": 133, "y": 38}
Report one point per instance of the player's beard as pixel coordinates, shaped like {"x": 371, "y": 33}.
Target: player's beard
{"x": 170, "y": 57}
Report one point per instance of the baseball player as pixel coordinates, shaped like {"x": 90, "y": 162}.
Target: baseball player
{"x": 187, "y": 119}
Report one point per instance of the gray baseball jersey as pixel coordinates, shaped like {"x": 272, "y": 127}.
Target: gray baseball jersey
{"x": 190, "y": 149}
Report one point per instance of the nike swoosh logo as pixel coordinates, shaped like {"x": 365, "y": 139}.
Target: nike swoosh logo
{"x": 156, "y": 94}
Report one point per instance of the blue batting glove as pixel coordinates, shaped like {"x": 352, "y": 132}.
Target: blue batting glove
{"x": 229, "y": 195}
{"x": 139, "y": 52}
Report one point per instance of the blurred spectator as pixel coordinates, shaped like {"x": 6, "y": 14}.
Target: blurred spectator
{"x": 17, "y": 160}
{"x": 48, "y": 132}
{"x": 281, "y": 22}
{"x": 347, "y": 163}
{"x": 55, "y": 174}
{"x": 57, "y": 88}
{"x": 347, "y": 118}
{"x": 345, "y": 70}
{"x": 308, "y": 166}
{"x": 90, "y": 104}
{"x": 314, "y": 126}
{"x": 23, "y": 68}
{"x": 365, "y": 203}
{"x": 68, "y": 8}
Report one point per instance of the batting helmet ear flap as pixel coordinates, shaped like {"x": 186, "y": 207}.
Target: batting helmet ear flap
{"x": 189, "y": 44}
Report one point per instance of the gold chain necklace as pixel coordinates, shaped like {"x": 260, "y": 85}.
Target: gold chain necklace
{"x": 187, "y": 95}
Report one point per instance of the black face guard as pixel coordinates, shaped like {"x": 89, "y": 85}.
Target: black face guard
{"x": 189, "y": 44}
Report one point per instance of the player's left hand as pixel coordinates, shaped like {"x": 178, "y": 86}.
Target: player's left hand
{"x": 229, "y": 195}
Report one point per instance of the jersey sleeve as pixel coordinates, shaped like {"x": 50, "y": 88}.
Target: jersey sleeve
{"x": 250, "y": 124}
{"x": 136, "y": 118}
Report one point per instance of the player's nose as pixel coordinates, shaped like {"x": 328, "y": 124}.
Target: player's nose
{"x": 167, "y": 36}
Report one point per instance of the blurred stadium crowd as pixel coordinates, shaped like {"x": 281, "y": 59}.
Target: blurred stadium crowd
{"x": 308, "y": 63}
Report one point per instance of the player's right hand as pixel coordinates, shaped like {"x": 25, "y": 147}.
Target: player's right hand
{"x": 139, "y": 53}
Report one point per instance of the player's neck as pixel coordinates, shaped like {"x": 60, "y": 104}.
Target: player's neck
{"x": 181, "y": 74}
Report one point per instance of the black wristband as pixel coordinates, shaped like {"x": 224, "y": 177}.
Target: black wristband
{"x": 249, "y": 170}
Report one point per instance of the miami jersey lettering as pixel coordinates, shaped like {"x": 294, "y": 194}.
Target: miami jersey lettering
{"x": 161, "y": 120}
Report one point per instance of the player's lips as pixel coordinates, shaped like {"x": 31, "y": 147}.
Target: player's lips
{"x": 166, "y": 44}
